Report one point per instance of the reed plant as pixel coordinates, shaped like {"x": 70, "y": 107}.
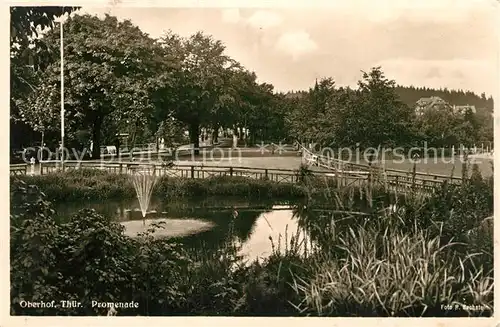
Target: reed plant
{"x": 386, "y": 272}
{"x": 411, "y": 258}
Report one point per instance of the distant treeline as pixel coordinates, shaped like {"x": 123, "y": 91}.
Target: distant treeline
{"x": 411, "y": 94}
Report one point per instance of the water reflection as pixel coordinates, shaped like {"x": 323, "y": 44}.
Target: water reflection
{"x": 260, "y": 228}
{"x": 275, "y": 230}
{"x": 206, "y": 224}
{"x": 169, "y": 228}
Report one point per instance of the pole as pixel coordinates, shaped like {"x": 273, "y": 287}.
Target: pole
{"x": 62, "y": 96}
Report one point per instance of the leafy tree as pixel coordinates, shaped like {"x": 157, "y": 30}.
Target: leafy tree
{"x": 467, "y": 129}
{"x": 373, "y": 115}
{"x": 27, "y": 22}
{"x": 296, "y": 109}
{"x": 437, "y": 127}
{"x": 172, "y": 132}
{"x": 28, "y": 55}
{"x": 257, "y": 109}
{"x": 111, "y": 71}
{"x": 485, "y": 126}
{"x": 313, "y": 114}
{"x": 323, "y": 100}
{"x": 378, "y": 117}
{"x": 233, "y": 106}
{"x": 201, "y": 84}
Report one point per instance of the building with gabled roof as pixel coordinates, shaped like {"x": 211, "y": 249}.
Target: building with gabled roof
{"x": 433, "y": 102}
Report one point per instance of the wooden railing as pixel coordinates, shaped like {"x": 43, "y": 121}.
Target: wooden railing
{"x": 393, "y": 180}
{"x": 182, "y": 171}
{"x": 18, "y": 169}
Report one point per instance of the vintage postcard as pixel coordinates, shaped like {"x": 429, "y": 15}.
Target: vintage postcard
{"x": 207, "y": 160}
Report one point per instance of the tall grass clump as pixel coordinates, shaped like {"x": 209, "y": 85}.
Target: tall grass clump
{"x": 390, "y": 273}
{"x": 409, "y": 259}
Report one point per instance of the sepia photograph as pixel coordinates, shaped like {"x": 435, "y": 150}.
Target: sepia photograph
{"x": 241, "y": 161}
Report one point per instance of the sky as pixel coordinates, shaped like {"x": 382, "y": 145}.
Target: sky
{"x": 432, "y": 43}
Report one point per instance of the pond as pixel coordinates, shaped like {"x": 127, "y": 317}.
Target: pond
{"x": 209, "y": 223}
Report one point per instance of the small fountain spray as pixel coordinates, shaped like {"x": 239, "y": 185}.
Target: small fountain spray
{"x": 144, "y": 182}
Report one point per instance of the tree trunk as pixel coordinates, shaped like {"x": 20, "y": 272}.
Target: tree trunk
{"x": 117, "y": 146}
{"x": 194, "y": 136}
{"x": 215, "y": 134}
{"x": 133, "y": 138}
{"x": 134, "y": 134}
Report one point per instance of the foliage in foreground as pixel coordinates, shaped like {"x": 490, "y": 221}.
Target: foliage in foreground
{"x": 386, "y": 264}
{"x": 390, "y": 273}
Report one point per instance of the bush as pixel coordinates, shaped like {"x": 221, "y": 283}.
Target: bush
{"x": 456, "y": 211}
{"x": 82, "y": 184}
{"x": 90, "y": 259}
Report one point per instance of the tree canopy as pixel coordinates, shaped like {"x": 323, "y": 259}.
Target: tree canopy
{"x": 28, "y": 56}
{"x": 119, "y": 79}
{"x": 111, "y": 71}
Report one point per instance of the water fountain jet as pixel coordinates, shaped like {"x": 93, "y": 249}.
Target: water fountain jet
{"x": 144, "y": 182}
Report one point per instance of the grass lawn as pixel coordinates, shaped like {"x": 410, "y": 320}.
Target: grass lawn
{"x": 442, "y": 168}
{"x": 289, "y": 161}
{"x": 282, "y": 162}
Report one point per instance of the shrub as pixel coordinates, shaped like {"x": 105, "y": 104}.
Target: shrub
{"x": 82, "y": 184}
{"x": 90, "y": 259}
{"x": 33, "y": 252}
{"x": 267, "y": 290}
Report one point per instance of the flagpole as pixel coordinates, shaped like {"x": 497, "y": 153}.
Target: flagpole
{"x": 62, "y": 96}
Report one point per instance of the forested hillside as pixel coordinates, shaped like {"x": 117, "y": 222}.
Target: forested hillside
{"x": 410, "y": 95}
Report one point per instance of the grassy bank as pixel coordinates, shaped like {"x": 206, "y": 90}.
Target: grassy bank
{"x": 95, "y": 185}
{"x": 403, "y": 262}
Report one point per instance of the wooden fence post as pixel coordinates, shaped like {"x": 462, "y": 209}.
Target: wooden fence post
{"x": 414, "y": 174}
{"x": 192, "y": 171}
{"x": 465, "y": 158}
{"x": 370, "y": 168}
{"x": 230, "y": 171}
